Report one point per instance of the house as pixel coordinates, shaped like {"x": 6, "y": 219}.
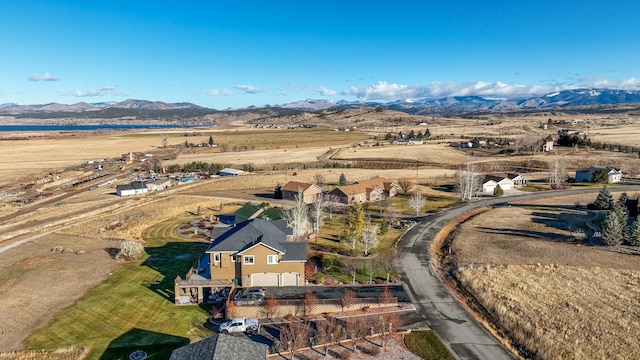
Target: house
{"x": 221, "y": 347}
{"x": 230, "y": 172}
{"x": 507, "y": 181}
{"x": 365, "y": 191}
{"x": 587, "y": 174}
{"x": 158, "y": 184}
{"x": 256, "y": 253}
{"x": 309, "y": 191}
{"x": 134, "y": 188}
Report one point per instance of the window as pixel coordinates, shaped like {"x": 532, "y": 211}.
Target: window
{"x": 216, "y": 258}
{"x": 248, "y": 260}
{"x": 272, "y": 259}
{"x": 234, "y": 258}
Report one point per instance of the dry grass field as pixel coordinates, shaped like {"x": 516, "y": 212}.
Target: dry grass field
{"x": 554, "y": 296}
{"x": 37, "y": 283}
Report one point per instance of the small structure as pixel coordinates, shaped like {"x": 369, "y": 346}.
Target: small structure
{"x": 309, "y": 191}
{"x": 230, "y": 172}
{"x": 587, "y": 174}
{"x": 221, "y": 347}
{"x": 412, "y": 141}
{"x": 134, "y": 188}
{"x": 159, "y": 184}
{"x": 547, "y": 146}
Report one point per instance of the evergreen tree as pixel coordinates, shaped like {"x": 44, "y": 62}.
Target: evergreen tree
{"x": 600, "y": 177}
{"x": 612, "y": 230}
{"x": 210, "y": 140}
{"x": 623, "y": 199}
{"x": 277, "y": 193}
{"x": 498, "y": 191}
{"x": 343, "y": 180}
{"x": 604, "y": 201}
{"x": 427, "y": 134}
{"x": 634, "y": 234}
{"x": 411, "y": 135}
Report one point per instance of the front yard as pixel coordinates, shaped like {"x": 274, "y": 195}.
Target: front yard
{"x": 133, "y": 309}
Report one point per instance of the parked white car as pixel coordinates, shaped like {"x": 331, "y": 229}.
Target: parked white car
{"x": 245, "y": 325}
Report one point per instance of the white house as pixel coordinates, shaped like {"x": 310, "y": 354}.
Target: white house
{"x": 134, "y": 188}
{"x": 506, "y": 181}
{"x": 586, "y": 174}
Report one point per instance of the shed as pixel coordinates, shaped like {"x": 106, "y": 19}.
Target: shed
{"x": 230, "y": 172}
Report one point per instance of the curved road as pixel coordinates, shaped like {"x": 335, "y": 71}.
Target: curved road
{"x": 464, "y": 337}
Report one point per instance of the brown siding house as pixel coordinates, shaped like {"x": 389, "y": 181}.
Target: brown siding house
{"x": 309, "y": 191}
{"x": 365, "y": 191}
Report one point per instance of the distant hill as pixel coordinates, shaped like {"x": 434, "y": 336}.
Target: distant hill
{"x": 144, "y": 109}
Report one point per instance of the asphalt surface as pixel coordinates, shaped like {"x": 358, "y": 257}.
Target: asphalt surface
{"x": 457, "y": 329}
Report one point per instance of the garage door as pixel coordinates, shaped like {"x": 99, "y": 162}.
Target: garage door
{"x": 489, "y": 188}
{"x": 290, "y": 279}
{"x": 264, "y": 279}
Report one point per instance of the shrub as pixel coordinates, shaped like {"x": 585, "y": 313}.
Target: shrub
{"x": 130, "y": 250}
{"x": 345, "y": 355}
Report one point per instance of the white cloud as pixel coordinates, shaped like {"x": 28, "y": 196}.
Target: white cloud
{"x": 220, "y": 92}
{"x": 248, "y": 89}
{"x": 326, "y": 92}
{"x": 384, "y": 91}
{"x": 45, "y": 77}
{"x": 111, "y": 90}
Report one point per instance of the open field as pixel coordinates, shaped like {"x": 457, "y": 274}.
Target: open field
{"x": 547, "y": 292}
{"x": 26, "y": 269}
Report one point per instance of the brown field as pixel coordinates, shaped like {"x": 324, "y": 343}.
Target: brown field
{"x": 556, "y": 297}
{"x": 36, "y": 283}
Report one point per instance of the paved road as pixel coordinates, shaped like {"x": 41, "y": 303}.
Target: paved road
{"x": 466, "y": 338}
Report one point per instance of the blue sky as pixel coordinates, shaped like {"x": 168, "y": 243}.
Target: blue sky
{"x": 227, "y": 54}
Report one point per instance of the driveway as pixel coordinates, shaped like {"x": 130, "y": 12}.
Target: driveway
{"x": 464, "y": 337}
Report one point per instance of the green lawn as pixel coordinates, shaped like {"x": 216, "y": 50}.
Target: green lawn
{"x": 133, "y": 309}
{"x": 427, "y": 345}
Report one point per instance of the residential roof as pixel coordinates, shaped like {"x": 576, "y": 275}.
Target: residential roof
{"x": 365, "y": 186}
{"x": 295, "y": 185}
{"x": 221, "y": 347}
{"x": 294, "y": 251}
{"x": 230, "y": 171}
{"x": 593, "y": 169}
{"x": 132, "y": 186}
{"x": 250, "y": 233}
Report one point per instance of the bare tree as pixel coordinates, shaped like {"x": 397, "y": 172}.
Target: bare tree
{"x": 294, "y": 336}
{"x": 331, "y": 204}
{"x": 319, "y": 179}
{"x": 386, "y": 322}
{"x": 319, "y": 204}
{"x": 386, "y": 296}
{"x": 351, "y": 265}
{"x": 347, "y": 299}
{"x": 557, "y": 174}
{"x": 417, "y": 201}
{"x": 390, "y": 214}
{"x": 369, "y": 237}
{"x": 405, "y": 184}
{"x": 297, "y": 217}
{"x": 387, "y": 260}
{"x": 356, "y": 330}
{"x": 308, "y": 303}
{"x": 270, "y": 307}
{"x": 468, "y": 181}
{"x": 328, "y": 332}
{"x": 165, "y": 142}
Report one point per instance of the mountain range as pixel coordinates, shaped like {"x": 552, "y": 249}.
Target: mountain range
{"x": 447, "y": 105}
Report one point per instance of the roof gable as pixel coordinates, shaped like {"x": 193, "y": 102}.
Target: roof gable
{"x": 219, "y": 347}
{"x": 247, "y": 234}
{"x": 294, "y": 186}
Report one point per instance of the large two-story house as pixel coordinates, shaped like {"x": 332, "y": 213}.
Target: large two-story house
{"x": 257, "y": 253}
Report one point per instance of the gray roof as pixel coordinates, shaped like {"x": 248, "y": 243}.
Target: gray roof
{"x": 248, "y": 233}
{"x": 230, "y": 171}
{"x": 282, "y": 225}
{"x": 257, "y": 231}
{"x": 132, "y": 186}
{"x": 221, "y": 347}
{"x": 294, "y": 251}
